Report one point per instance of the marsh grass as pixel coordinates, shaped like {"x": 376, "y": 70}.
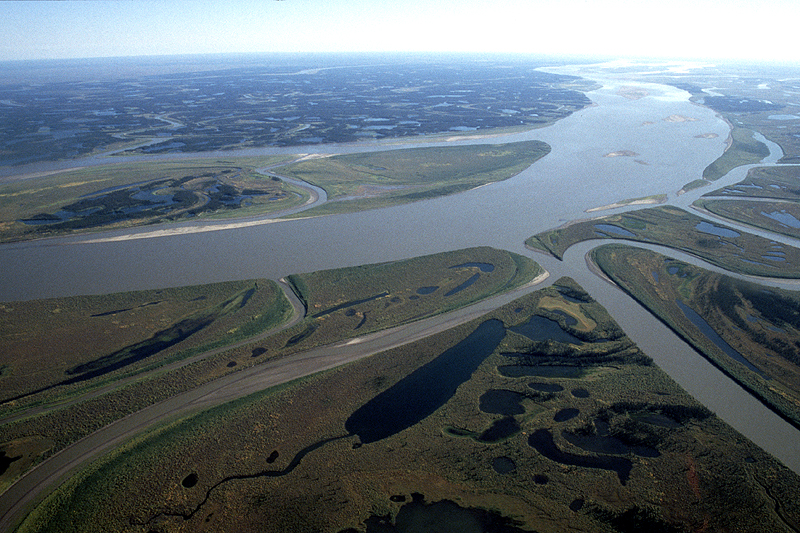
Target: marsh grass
{"x": 243, "y": 454}
{"x": 128, "y": 316}
{"x": 672, "y": 227}
{"x": 743, "y": 150}
{"x": 761, "y": 326}
{"x": 44, "y": 196}
{"x": 370, "y": 180}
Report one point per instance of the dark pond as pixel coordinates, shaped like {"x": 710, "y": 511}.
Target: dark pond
{"x": 714, "y": 337}
{"x": 483, "y": 267}
{"x": 427, "y": 290}
{"x": 502, "y": 402}
{"x": 5, "y": 461}
{"x": 576, "y": 505}
{"x": 351, "y": 303}
{"x": 306, "y": 333}
{"x": 503, "y": 465}
{"x": 607, "y": 445}
{"x": 189, "y": 481}
{"x": 440, "y": 517}
{"x": 422, "y": 392}
{"x": 500, "y": 430}
{"x": 539, "y": 328}
{"x": 470, "y": 281}
{"x": 565, "y": 414}
{"x": 614, "y": 230}
{"x": 542, "y": 441}
{"x": 545, "y": 387}
{"x": 580, "y": 393}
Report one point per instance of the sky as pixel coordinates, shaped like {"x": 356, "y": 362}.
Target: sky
{"x": 762, "y": 30}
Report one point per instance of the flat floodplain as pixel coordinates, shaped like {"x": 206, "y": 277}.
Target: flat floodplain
{"x": 370, "y": 180}
{"x": 767, "y": 198}
{"x": 127, "y": 195}
{"x": 108, "y": 338}
{"x": 746, "y": 330}
{"x": 57, "y": 345}
{"x": 618, "y": 448}
{"x": 672, "y": 227}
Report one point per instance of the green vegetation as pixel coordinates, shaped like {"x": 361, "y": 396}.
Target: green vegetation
{"x": 778, "y": 217}
{"x": 340, "y": 303}
{"x": 356, "y": 182}
{"x": 675, "y": 228}
{"x": 49, "y": 358}
{"x": 623, "y": 447}
{"x": 135, "y": 194}
{"x": 742, "y": 150}
{"x": 695, "y": 184}
{"x": 354, "y": 301}
{"x": 761, "y": 325}
{"x": 765, "y": 182}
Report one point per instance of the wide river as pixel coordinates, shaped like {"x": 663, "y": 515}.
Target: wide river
{"x": 673, "y": 139}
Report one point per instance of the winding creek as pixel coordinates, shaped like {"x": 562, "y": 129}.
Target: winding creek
{"x": 577, "y": 175}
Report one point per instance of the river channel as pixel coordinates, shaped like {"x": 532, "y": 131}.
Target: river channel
{"x": 668, "y": 135}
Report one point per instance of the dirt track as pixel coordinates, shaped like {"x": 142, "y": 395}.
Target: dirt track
{"x": 17, "y": 501}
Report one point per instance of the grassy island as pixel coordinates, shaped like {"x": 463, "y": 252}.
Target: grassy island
{"x": 355, "y": 182}
{"x": 674, "y": 228}
{"x": 128, "y": 195}
{"x": 747, "y": 331}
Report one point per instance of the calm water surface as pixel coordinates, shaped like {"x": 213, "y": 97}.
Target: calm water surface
{"x": 577, "y": 175}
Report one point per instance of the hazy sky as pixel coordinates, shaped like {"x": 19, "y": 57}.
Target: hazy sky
{"x": 743, "y": 29}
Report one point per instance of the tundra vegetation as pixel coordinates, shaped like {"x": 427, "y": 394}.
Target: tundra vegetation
{"x": 258, "y": 102}
{"x": 748, "y": 331}
{"x": 176, "y": 339}
{"x": 617, "y": 446}
{"x": 370, "y": 180}
{"x": 750, "y": 98}
{"x": 742, "y": 149}
{"x": 767, "y": 198}
{"x": 674, "y": 228}
{"x": 134, "y": 194}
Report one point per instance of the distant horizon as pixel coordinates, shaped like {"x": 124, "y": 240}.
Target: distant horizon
{"x": 437, "y": 54}
{"x": 700, "y": 30}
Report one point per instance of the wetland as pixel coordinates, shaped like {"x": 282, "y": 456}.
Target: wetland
{"x": 552, "y": 402}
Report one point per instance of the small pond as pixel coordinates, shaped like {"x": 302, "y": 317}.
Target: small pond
{"x": 502, "y": 402}
{"x": 782, "y": 217}
{"x": 614, "y": 230}
{"x": 542, "y": 441}
{"x": 503, "y": 465}
{"x": 711, "y": 229}
{"x": 539, "y": 328}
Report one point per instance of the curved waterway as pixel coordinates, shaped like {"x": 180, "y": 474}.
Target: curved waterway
{"x": 577, "y": 175}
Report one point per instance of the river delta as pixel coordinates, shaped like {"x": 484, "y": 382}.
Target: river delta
{"x": 527, "y": 416}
